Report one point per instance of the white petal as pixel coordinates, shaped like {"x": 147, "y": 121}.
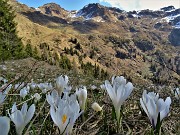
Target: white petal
{"x": 52, "y": 98}
{"x": 109, "y": 89}
{"x": 54, "y": 94}
{"x": 151, "y": 106}
{"x": 29, "y": 114}
{"x": 144, "y": 106}
{"x": 129, "y": 87}
{"x": 112, "y": 80}
{"x": 161, "y": 105}
{"x": 54, "y": 117}
{"x": 165, "y": 111}
{"x": 49, "y": 99}
{"x": 120, "y": 93}
{"x": 14, "y": 108}
{"x": 18, "y": 119}
{"x": 122, "y": 80}
{"x": 66, "y": 79}
{"x": 111, "y": 92}
{"x": 59, "y": 115}
{"x": 24, "y": 109}
{"x": 168, "y": 101}
{"x": 4, "y": 125}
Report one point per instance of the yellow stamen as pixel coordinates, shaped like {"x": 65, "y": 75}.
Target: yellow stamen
{"x": 64, "y": 118}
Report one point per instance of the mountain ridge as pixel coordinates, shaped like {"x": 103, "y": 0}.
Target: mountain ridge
{"x": 120, "y": 39}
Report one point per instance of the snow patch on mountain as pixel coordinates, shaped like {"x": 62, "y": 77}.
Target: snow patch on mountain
{"x": 38, "y": 9}
{"x": 89, "y": 16}
{"x": 177, "y": 26}
{"x": 171, "y": 18}
{"x": 135, "y": 15}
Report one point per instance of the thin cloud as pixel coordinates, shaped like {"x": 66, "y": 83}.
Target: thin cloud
{"x": 130, "y": 5}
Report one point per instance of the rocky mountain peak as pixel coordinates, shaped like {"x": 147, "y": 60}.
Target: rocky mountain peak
{"x": 93, "y": 5}
{"x": 91, "y": 10}
{"x": 168, "y": 8}
{"x": 99, "y": 13}
{"x": 53, "y": 9}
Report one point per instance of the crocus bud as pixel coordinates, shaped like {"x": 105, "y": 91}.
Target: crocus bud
{"x": 23, "y": 92}
{"x": 62, "y": 84}
{"x": 37, "y": 97}
{"x": 82, "y": 96}
{"x": 95, "y": 106}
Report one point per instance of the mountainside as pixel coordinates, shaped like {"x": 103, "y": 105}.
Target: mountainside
{"x": 53, "y": 9}
{"x": 143, "y": 44}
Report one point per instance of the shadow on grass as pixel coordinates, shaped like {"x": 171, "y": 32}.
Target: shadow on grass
{"x": 38, "y": 17}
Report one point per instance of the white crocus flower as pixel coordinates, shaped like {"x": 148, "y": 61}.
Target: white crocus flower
{"x": 153, "y": 105}
{"x": 4, "y": 125}
{"x": 52, "y": 98}
{"x": 22, "y": 117}
{"x": 62, "y": 84}
{"x": 93, "y": 87}
{"x": 119, "y": 91}
{"x": 45, "y": 87}
{"x": 37, "y": 97}
{"x": 23, "y": 92}
{"x": 82, "y": 96}
{"x": 96, "y": 107}
{"x": 65, "y": 114}
{"x": 33, "y": 85}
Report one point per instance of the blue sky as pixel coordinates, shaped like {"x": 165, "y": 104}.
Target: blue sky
{"x": 67, "y": 4}
{"x": 127, "y": 5}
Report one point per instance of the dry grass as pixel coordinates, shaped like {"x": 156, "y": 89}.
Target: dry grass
{"x": 134, "y": 121}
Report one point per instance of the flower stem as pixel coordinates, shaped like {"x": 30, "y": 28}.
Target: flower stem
{"x": 119, "y": 120}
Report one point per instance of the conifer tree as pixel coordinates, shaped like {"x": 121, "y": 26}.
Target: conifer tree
{"x": 35, "y": 53}
{"x": 10, "y": 44}
{"x": 29, "y": 50}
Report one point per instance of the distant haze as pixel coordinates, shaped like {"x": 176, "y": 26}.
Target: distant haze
{"x": 127, "y": 5}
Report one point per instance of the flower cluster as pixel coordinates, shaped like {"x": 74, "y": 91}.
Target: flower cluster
{"x": 64, "y": 108}
{"x": 68, "y": 104}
